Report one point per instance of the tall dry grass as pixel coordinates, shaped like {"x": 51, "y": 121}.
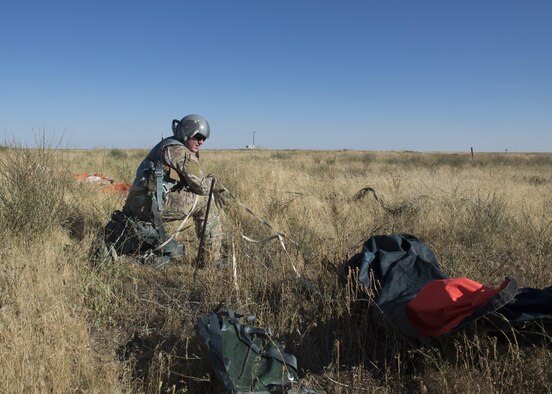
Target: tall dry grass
{"x": 70, "y": 325}
{"x": 44, "y": 331}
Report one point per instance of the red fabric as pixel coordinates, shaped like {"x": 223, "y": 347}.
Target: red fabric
{"x": 118, "y": 187}
{"x": 442, "y": 304}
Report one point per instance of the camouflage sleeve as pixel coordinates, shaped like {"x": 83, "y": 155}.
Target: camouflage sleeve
{"x": 187, "y": 165}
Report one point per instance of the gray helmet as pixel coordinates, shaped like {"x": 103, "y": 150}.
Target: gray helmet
{"x": 189, "y": 126}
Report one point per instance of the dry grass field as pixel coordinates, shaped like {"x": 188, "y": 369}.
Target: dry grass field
{"x": 68, "y": 325}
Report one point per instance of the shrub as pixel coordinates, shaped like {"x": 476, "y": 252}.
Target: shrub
{"x": 33, "y": 183}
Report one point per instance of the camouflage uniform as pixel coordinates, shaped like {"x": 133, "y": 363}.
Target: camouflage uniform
{"x": 182, "y": 166}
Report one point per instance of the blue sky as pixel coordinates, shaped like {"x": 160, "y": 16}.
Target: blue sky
{"x": 303, "y": 74}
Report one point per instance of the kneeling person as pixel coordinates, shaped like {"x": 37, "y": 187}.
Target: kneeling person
{"x": 170, "y": 184}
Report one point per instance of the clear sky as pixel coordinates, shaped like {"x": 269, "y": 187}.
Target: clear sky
{"x": 303, "y": 74}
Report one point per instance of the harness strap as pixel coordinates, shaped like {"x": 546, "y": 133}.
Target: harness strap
{"x": 269, "y": 352}
{"x": 157, "y": 221}
{"x": 241, "y": 333}
{"x": 286, "y": 358}
{"x": 159, "y": 185}
{"x": 157, "y": 200}
{"x": 215, "y": 343}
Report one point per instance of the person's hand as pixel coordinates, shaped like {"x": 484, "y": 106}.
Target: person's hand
{"x": 221, "y": 197}
{"x": 208, "y": 182}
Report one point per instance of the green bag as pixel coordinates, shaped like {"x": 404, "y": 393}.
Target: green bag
{"x": 246, "y": 358}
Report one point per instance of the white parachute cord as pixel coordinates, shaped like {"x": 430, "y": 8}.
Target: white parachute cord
{"x": 264, "y": 222}
{"x": 281, "y": 239}
{"x": 277, "y": 234}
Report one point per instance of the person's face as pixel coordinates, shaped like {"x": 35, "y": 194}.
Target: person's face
{"x": 195, "y": 142}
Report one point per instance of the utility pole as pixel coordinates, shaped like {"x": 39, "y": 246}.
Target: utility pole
{"x": 252, "y": 146}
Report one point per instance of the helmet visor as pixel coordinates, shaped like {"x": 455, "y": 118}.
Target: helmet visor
{"x": 199, "y": 137}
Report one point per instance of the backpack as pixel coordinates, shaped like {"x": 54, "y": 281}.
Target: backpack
{"x": 246, "y": 358}
{"x": 124, "y": 235}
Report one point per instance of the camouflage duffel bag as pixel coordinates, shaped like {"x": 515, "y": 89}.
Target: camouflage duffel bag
{"x": 246, "y": 358}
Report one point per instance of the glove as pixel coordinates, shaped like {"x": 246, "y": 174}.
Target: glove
{"x": 221, "y": 198}
{"x": 211, "y": 176}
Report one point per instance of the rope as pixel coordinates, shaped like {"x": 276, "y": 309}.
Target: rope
{"x": 235, "y": 272}
{"x": 279, "y": 235}
{"x": 262, "y": 221}
{"x": 281, "y": 239}
{"x": 400, "y": 208}
{"x": 365, "y": 190}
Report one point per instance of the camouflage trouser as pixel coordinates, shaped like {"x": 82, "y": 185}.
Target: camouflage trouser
{"x": 179, "y": 204}
{"x": 175, "y": 208}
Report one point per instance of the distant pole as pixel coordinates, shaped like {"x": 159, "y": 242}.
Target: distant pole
{"x": 471, "y": 152}
{"x": 253, "y": 140}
